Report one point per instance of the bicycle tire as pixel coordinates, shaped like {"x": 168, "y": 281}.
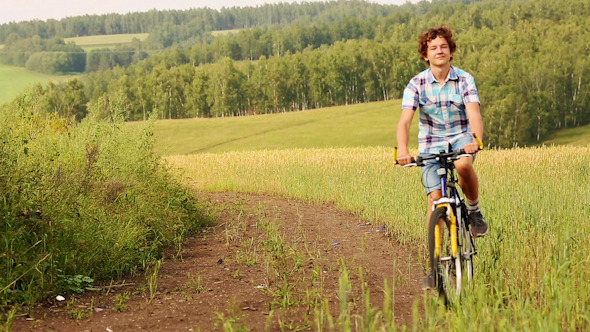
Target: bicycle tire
{"x": 446, "y": 269}
{"x": 467, "y": 246}
{"x": 467, "y": 255}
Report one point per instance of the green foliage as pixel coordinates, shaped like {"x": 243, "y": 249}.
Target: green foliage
{"x": 105, "y": 58}
{"x": 66, "y": 99}
{"x": 527, "y": 58}
{"x": 53, "y": 63}
{"x": 186, "y": 24}
{"x": 121, "y": 300}
{"x": 348, "y": 72}
{"x": 51, "y": 56}
{"x": 81, "y": 201}
{"x": 73, "y": 284}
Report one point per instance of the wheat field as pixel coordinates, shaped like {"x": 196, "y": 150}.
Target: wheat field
{"x": 532, "y": 269}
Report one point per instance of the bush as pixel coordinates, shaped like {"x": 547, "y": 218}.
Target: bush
{"x": 56, "y": 62}
{"x": 81, "y": 199}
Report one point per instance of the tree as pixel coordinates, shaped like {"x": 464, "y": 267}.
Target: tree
{"x": 224, "y": 93}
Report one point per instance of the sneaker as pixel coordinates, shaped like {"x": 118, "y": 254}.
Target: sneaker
{"x": 479, "y": 227}
{"x": 428, "y": 282}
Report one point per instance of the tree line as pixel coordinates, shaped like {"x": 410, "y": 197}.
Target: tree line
{"x": 331, "y": 22}
{"x": 43, "y": 55}
{"x": 193, "y": 22}
{"x": 203, "y": 47}
{"x": 345, "y": 73}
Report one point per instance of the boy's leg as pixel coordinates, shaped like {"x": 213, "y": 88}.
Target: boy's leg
{"x": 468, "y": 178}
{"x": 470, "y": 186}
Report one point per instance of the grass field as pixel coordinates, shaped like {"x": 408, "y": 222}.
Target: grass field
{"x": 224, "y": 32}
{"x": 359, "y": 125}
{"x": 575, "y": 136}
{"x": 102, "y": 41}
{"x": 531, "y": 270}
{"x": 343, "y": 126}
{"x": 13, "y": 80}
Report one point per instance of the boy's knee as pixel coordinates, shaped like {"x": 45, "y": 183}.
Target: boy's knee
{"x": 465, "y": 166}
{"x": 435, "y": 195}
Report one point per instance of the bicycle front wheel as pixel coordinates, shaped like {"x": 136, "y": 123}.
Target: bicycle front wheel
{"x": 446, "y": 268}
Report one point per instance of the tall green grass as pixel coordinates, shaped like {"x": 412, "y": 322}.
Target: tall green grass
{"x": 532, "y": 269}
{"x": 81, "y": 202}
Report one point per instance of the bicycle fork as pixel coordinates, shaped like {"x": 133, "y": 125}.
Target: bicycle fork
{"x": 452, "y": 227}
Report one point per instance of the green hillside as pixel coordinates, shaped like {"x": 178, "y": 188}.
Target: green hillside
{"x": 13, "y": 80}
{"x": 524, "y": 56}
{"x": 371, "y": 124}
{"x": 579, "y": 136}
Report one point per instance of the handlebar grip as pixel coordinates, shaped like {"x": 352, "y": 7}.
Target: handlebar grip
{"x": 395, "y": 157}
{"x": 479, "y": 142}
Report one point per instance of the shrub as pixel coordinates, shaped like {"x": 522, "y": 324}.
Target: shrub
{"x": 88, "y": 199}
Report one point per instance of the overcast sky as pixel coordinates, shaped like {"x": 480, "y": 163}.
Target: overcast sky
{"x": 24, "y": 10}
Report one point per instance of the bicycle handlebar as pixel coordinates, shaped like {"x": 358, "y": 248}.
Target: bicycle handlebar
{"x": 453, "y": 155}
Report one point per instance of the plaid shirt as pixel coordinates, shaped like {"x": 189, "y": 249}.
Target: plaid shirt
{"x": 443, "y": 117}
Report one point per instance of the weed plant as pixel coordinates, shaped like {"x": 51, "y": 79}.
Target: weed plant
{"x": 82, "y": 201}
{"x": 531, "y": 271}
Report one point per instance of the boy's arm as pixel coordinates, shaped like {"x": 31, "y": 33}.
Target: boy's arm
{"x": 403, "y": 136}
{"x": 476, "y": 123}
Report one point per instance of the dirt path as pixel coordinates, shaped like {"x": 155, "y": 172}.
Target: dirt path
{"x": 270, "y": 264}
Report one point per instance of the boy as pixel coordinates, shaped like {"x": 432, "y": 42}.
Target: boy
{"x": 449, "y": 113}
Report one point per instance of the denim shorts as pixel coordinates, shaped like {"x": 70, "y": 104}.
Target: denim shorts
{"x": 430, "y": 179}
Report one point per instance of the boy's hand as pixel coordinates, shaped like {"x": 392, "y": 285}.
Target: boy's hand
{"x": 472, "y": 147}
{"x": 404, "y": 158}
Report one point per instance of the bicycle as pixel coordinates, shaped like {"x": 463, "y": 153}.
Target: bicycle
{"x": 451, "y": 253}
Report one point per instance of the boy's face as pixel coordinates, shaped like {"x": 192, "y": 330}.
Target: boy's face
{"x": 438, "y": 52}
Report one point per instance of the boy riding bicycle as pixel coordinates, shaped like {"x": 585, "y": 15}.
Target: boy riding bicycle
{"x": 449, "y": 114}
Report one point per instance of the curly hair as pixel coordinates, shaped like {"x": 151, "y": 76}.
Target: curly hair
{"x": 432, "y": 33}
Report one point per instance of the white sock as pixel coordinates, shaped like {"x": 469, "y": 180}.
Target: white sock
{"x": 472, "y": 206}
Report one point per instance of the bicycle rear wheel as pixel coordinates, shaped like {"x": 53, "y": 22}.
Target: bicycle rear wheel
{"x": 446, "y": 269}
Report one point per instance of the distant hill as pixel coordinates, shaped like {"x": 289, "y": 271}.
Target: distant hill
{"x": 371, "y": 124}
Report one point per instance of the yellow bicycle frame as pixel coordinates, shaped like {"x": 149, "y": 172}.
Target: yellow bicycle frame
{"x": 452, "y": 230}
{"x": 451, "y": 214}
